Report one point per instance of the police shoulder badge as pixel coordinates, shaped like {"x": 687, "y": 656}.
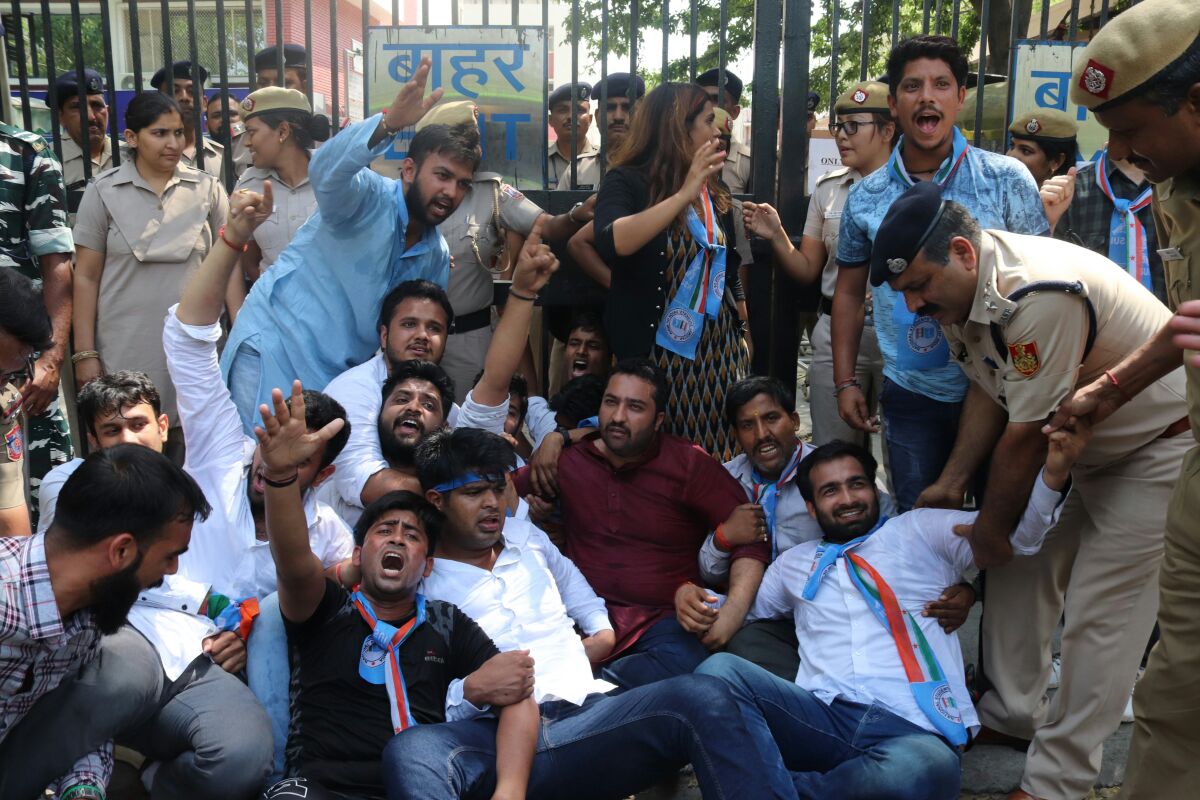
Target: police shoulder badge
{"x": 1025, "y": 358}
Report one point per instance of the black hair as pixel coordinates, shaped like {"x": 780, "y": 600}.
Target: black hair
{"x": 833, "y": 451}
{"x": 747, "y": 389}
{"x": 146, "y": 107}
{"x": 427, "y": 514}
{"x": 126, "y": 488}
{"x": 579, "y": 399}
{"x": 459, "y": 143}
{"x": 1169, "y": 88}
{"x": 942, "y": 48}
{"x": 1052, "y": 150}
{"x": 422, "y": 289}
{"x": 445, "y": 455}
{"x": 416, "y": 369}
{"x": 113, "y": 393}
{"x": 319, "y": 410}
{"x": 307, "y": 129}
{"x": 234, "y": 103}
{"x": 648, "y": 371}
{"x": 955, "y": 221}
{"x": 22, "y": 312}
{"x": 587, "y": 319}
{"x": 881, "y": 120}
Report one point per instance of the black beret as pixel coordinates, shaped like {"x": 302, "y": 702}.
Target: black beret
{"x": 904, "y": 230}
{"x": 733, "y": 84}
{"x": 618, "y": 84}
{"x": 294, "y": 55}
{"x": 581, "y": 91}
{"x": 180, "y": 69}
{"x": 814, "y": 100}
{"x": 67, "y": 84}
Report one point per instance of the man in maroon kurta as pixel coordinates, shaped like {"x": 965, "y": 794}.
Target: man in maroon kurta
{"x": 637, "y": 505}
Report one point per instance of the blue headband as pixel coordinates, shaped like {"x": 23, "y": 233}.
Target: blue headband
{"x": 464, "y": 479}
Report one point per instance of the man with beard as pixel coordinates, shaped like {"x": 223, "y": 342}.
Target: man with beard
{"x": 381, "y": 659}
{"x": 636, "y": 507}
{"x": 190, "y": 97}
{"x": 313, "y": 314}
{"x": 71, "y": 118}
{"x": 595, "y": 743}
{"x": 622, "y": 95}
{"x": 219, "y": 122}
{"x": 922, "y": 390}
{"x": 124, "y": 519}
{"x": 879, "y": 706}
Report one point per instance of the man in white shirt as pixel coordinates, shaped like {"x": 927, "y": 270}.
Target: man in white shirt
{"x": 879, "y": 707}
{"x": 527, "y": 596}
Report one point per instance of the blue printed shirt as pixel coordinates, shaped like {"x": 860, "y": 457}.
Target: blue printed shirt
{"x": 997, "y": 190}
{"x": 314, "y": 313}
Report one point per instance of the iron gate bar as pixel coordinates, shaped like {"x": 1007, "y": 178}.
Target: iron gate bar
{"x": 954, "y": 21}
{"x": 110, "y": 78}
{"x": 895, "y": 23}
{"x": 925, "y": 18}
{"x": 666, "y": 12}
{"x": 980, "y": 85}
{"x": 22, "y": 68}
{"x": 51, "y": 93}
{"x": 1103, "y": 12}
{"x": 280, "y": 62}
{"x": 248, "y": 24}
{"x": 366, "y": 95}
{"x": 1013, "y": 38}
{"x": 227, "y": 172}
{"x": 169, "y": 62}
{"x": 1074, "y": 27}
{"x": 573, "y": 166}
{"x": 834, "y": 45}
{"x": 80, "y": 91}
{"x": 603, "y": 88}
{"x": 334, "y": 51}
{"x": 866, "y": 41}
{"x": 485, "y": 10}
{"x": 1045, "y": 19}
{"x": 454, "y": 12}
{"x": 797, "y": 47}
{"x": 547, "y": 46}
{"x": 135, "y": 34}
{"x": 693, "y": 28}
{"x": 634, "y": 31}
{"x": 516, "y": 11}
{"x": 197, "y": 91}
{"x": 721, "y": 52}
{"x": 308, "y": 50}
{"x": 937, "y": 18}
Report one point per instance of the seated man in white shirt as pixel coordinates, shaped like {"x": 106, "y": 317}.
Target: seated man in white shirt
{"x": 527, "y": 596}
{"x": 762, "y": 413}
{"x": 879, "y": 707}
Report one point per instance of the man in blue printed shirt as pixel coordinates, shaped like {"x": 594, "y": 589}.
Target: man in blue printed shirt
{"x": 923, "y": 390}
{"x": 312, "y": 316}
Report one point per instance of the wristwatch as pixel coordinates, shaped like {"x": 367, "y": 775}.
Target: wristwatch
{"x": 565, "y": 433}
{"x": 571, "y": 213}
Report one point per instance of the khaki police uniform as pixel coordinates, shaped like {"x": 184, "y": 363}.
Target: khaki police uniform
{"x": 587, "y": 174}
{"x": 560, "y": 165}
{"x": 242, "y": 159}
{"x": 73, "y": 174}
{"x": 1135, "y": 49}
{"x": 736, "y": 170}
{"x": 475, "y": 235}
{"x": 214, "y": 157}
{"x": 1047, "y": 317}
{"x": 12, "y": 454}
{"x": 824, "y": 221}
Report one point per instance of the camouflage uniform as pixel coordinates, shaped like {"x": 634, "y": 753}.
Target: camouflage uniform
{"x": 33, "y": 223}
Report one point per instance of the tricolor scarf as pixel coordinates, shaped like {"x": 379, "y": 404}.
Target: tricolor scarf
{"x": 238, "y": 617}
{"x": 1126, "y": 236}
{"x": 921, "y": 344}
{"x": 926, "y": 679}
{"x": 766, "y": 493}
{"x": 700, "y": 293}
{"x": 387, "y": 638}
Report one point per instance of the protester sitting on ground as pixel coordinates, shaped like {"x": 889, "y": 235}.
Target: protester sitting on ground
{"x": 526, "y": 595}
{"x": 636, "y": 505}
{"x": 313, "y": 314}
{"x": 380, "y": 659}
{"x": 879, "y": 706}
{"x": 123, "y": 520}
{"x": 142, "y": 228}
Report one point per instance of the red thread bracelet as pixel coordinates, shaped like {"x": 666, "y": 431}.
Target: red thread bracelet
{"x": 1117, "y": 384}
{"x": 240, "y": 248}
{"x": 721, "y": 542}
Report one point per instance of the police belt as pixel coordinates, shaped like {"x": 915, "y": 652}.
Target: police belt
{"x": 465, "y": 323}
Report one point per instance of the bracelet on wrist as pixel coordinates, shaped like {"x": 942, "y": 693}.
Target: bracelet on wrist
{"x": 844, "y": 385}
{"x": 527, "y": 298}
{"x": 82, "y": 791}
{"x": 283, "y": 484}
{"x": 721, "y": 542}
{"x": 241, "y": 248}
{"x": 85, "y": 355}
{"x": 1117, "y": 385}
{"x": 571, "y": 213}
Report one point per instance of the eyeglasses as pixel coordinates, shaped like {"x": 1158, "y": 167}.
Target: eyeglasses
{"x": 19, "y": 377}
{"x": 850, "y": 127}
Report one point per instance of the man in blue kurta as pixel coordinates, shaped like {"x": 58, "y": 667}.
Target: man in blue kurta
{"x": 313, "y": 314}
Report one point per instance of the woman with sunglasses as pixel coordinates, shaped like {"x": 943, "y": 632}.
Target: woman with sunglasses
{"x": 865, "y": 133}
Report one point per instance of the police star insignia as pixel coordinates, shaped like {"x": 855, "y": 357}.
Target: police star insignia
{"x": 897, "y": 265}
{"x": 1033, "y": 126}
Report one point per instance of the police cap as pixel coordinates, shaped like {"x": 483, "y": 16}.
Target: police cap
{"x": 294, "y": 55}
{"x": 1044, "y": 125}
{"x": 67, "y": 85}
{"x": 733, "y": 84}
{"x": 904, "y": 230}
{"x": 618, "y": 85}
{"x": 181, "y": 70}
{"x": 580, "y": 91}
{"x": 864, "y": 96}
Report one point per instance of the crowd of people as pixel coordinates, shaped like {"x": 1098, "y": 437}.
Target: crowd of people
{"x": 332, "y": 539}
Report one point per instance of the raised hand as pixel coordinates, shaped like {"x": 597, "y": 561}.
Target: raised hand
{"x": 762, "y": 220}
{"x": 535, "y": 264}
{"x": 411, "y": 104}
{"x": 1057, "y": 193}
{"x": 284, "y": 439}
{"x": 248, "y": 210}
{"x": 707, "y": 161}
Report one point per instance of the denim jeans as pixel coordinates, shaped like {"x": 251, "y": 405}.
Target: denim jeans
{"x": 920, "y": 434}
{"x": 845, "y": 750}
{"x": 663, "y": 651}
{"x": 611, "y": 746}
{"x": 269, "y": 674}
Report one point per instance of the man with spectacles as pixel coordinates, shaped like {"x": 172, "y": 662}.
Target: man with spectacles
{"x": 24, "y": 330}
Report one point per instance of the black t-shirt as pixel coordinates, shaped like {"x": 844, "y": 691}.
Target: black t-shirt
{"x": 341, "y": 721}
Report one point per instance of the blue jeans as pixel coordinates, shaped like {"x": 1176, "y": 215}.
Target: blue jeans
{"x": 611, "y": 746}
{"x": 920, "y": 434}
{"x": 845, "y": 750}
{"x": 269, "y": 674}
{"x": 663, "y": 651}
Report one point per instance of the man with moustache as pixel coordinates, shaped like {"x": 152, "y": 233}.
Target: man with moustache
{"x": 313, "y": 315}
{"x": 571, "y": 143}
{"x": 922, "y": 391}
{"x": 124, "y": 519}
{"x": 382, "y": 658}
{"x": 1028, "y": 319}
{"x": 177, "y": 81}
{"x": 637, "y": 505}
{"x": 879, "y": 707}
{"x": 586, "y": 353}
{"x": 71, "y": 116}
{"x": 622, "y": 95}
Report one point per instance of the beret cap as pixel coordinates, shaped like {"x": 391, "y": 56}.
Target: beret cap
{"x": 180, "y": 69}
{"x": 454, "y": 112}
{"x": 864, "y": 96}
{"x": 1045, "y": 125}
{"x": 274, "y": 98}
{"x": 294, "y": 55}
{"x": 67, "y": 84}
{"x": 904, "y": 230}
{"x": 733, "y": 84}
{"x": 581, "y": 91}
{"x": 618, "y": 84}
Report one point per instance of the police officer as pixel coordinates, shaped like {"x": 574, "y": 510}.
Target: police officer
{"x": 618, "y": 112}
{"x": 568, "y": 99}
{"x": 182, "y": 89}
{"x": 1140, "y": 76}
{"x": 1044, "y": 141}
{"x": 736, "y": 173}
{"x": 295, "y": 67}
{"x": 478, "y": 234}
{"x": 1028, "y": 318}
{"x": 66, "y": 90}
